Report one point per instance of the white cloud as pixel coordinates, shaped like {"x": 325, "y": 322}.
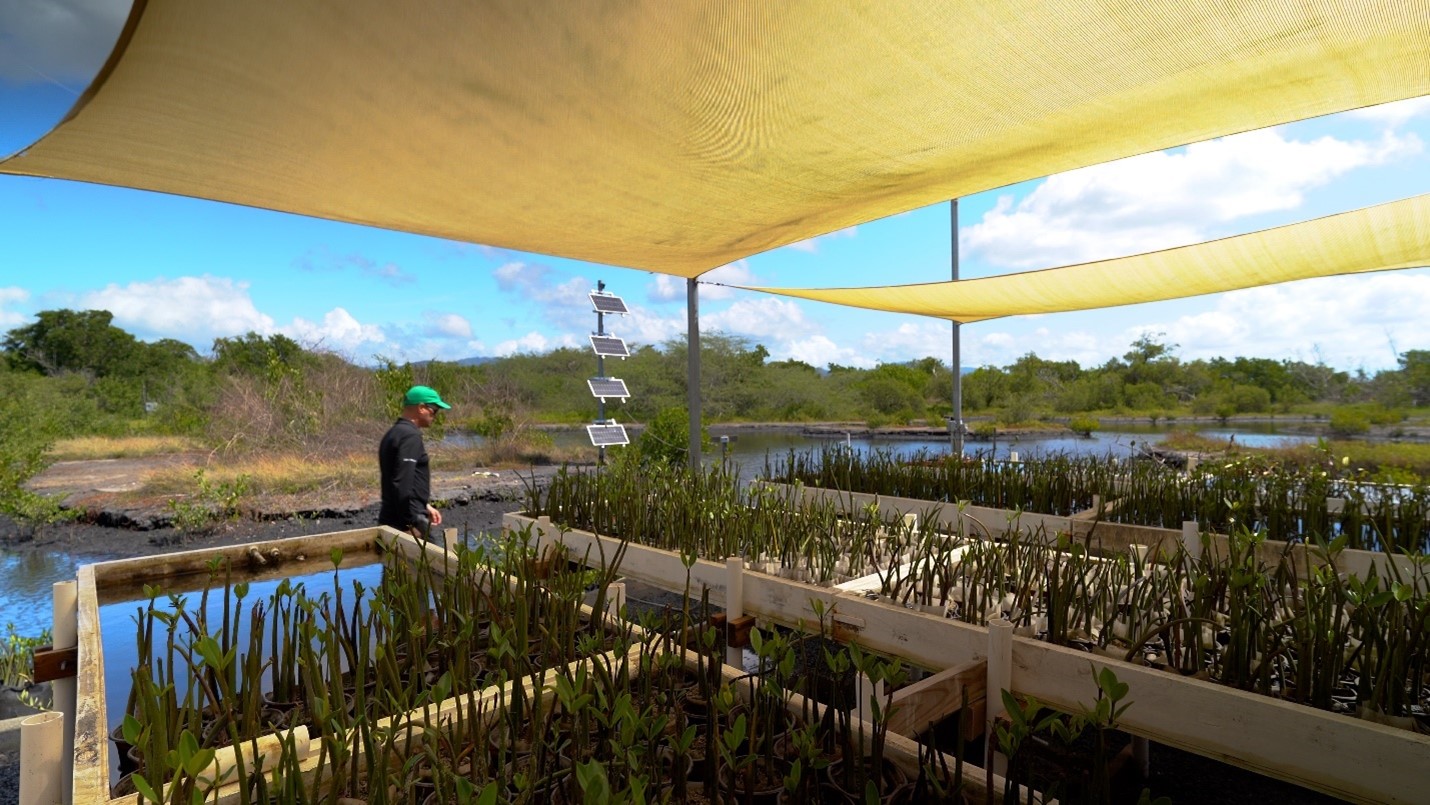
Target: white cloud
{"x": 1166, "y": 199}
{"x": 531, "y": 342}
{"x": 61, "y": 42}
{"x": 665, "y": 288}
{"x": 447, "y": 325}
{"x": 643, "y": 326}
{"x": 819, "y": 351}
{"x": 10, "y": 319}
{"x": 811, "y": 245}
{"x": 532, "y": 282}
{"x": 1396, "y": 113}
{"x": 1001, "y": 348}
{"x": 338, "y": 332}
{"x": 911, "y": 341}
{"x": 194, "y": 309}
{"x": 764, "y": 317}
{"x": 1356, "y": 321}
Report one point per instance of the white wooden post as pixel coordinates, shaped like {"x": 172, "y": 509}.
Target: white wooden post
{"x": 64, "y": 635}
{"x": 1000, "y": 678}
{"x": 734, "y": 605}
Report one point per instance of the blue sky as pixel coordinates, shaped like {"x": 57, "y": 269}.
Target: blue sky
{"x": 194, "y": 270}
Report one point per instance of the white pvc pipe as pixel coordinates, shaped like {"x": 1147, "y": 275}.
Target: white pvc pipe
{"x": 869, "y": 692}
{"x": 734, "y": 606}
{"x": 616, "y": 600}
{"x": 269, "y": 747}
{"x": 1000, "y": 678}
{"x": 41, "y": 766}
{"x": 1192, "y": 539}
{"x": 65, "y": 634}
{"x": 1142, "y": 755}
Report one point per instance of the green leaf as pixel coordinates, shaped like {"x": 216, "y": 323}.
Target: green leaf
{"x": 145, "y": 790}
{"x": 595, "y": 789}
{"x": 131, "y": 729}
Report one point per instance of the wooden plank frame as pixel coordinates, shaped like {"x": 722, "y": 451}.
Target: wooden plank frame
{"x": 1339, "y": 755}
{"x": 92, "y": 763}
{"x": 985, "y": 523}
{"x": 107, "y": 581}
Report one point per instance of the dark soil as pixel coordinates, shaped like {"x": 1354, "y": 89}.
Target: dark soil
{"x": 109, "y": 526}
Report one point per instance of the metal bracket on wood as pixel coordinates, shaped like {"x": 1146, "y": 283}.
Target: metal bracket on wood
{"x": 52, "y": 663}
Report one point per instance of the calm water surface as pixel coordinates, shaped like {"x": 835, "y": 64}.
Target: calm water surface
{"x": 118, "y": 626}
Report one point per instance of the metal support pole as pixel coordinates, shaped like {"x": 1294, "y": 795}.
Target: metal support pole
{"x": 956, "y": 429}
{"x": 600, "y": 372}
{"x": 692, "y": 377}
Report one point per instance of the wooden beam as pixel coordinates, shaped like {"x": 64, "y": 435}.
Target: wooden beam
{"x": 934, "y": 698}
{"x": 983, "y": 523}
{"x": 271, "y": 559}
{"x": 1339, "y": 755}
{"x": 51, "y": 663}
{"x": 91, "y": 727}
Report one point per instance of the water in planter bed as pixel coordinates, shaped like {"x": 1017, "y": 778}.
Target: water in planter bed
{"x": 118, "y": 625}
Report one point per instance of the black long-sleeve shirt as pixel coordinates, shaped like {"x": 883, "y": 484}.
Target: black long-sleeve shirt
{"x": 406, "y": 476}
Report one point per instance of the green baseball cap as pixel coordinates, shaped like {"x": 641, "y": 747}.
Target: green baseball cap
{"x": 423, "y": 395}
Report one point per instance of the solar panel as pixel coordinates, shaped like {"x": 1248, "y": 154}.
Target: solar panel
{"x": 609, "y": 346}
{"x": 606, "y": 303}
{"x": 607, "y": 434}
{"x": 604, "y": 387}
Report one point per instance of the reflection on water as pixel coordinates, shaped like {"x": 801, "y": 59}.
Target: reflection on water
{"x": 26, "y": 581}
{"x": 119, "y": 628}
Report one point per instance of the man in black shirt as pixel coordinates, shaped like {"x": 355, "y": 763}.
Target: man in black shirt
{"x": 402, "y": 459}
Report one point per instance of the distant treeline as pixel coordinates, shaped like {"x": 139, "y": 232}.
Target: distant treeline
{"x": 75, "y": 373}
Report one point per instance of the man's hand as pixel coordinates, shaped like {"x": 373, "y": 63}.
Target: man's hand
{"x": 433, "y": 515}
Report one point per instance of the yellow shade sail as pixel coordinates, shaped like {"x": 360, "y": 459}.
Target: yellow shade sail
{"x": 679, "y": 135}
{"x": 1382, "y": 238}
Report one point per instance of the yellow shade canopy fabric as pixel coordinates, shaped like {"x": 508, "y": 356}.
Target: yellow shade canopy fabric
{"x": 679, "y": 135}
{"x": 1381, "y": 238}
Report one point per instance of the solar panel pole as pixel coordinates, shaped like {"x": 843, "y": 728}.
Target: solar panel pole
{"x": 956, "y": 429}
{"x": 692, "y": 375}
{"x": 601, "y": 372}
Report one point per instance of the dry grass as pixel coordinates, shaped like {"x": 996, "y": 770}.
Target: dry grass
{"x": 275, "y": 474}
{"x": 339, "y": 473}
{"x": 89, "y": 448}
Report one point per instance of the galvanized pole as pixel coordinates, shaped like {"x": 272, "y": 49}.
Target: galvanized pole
{"x": 601, "y": 372}
{"x": 692, "y": 375}
{"x": 956, "y": 429}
